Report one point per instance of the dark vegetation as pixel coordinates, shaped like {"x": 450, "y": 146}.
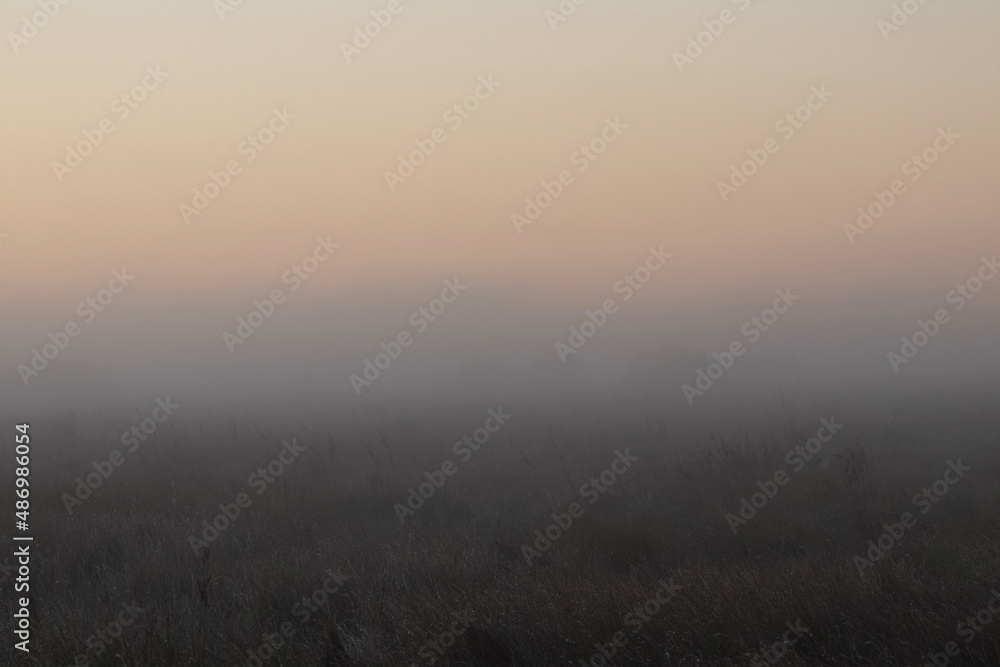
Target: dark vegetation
{"x": 461, "y": 552}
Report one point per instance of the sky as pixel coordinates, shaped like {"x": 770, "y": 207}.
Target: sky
{"x": 613, "y": 115}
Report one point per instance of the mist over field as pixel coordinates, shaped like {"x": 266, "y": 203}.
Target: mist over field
{"x": 561, "y": 332}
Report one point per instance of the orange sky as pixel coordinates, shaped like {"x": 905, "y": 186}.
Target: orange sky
{"x": 324, "y": 174}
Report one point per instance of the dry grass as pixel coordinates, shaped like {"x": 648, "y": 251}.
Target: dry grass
{"x": 462, "y": 551}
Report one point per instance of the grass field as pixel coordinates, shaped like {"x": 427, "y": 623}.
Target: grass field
{"x": 646, "y": 569}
